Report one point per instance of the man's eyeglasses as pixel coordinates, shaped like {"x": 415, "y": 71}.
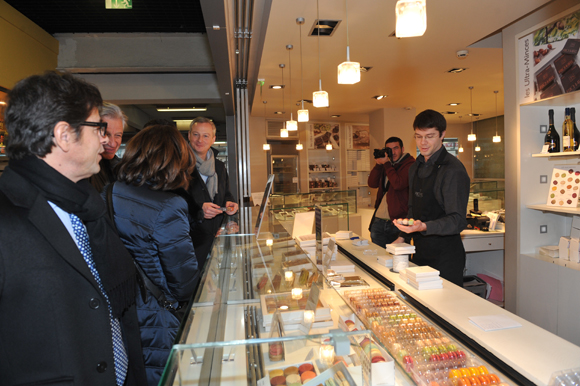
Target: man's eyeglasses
{"x": 428, "y": 137}
{"x": 101, "y": 125}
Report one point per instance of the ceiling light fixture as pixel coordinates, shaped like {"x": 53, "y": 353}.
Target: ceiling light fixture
{"x": 411, "y": 18}
{"x": 276, "y": 86}
{"x": 283, "y": 130}
{"x": 348, "y": 72}
{"x": 379, "y": 97}
{"x": 266, "y": 146}
{"x": 319, "y": 98}
{"x": 477, "y": 148}
{"x": 456, "y": 70}
{"x": 299, "y": 146}
{"x": 176, "y": 109}
{"x": 335, "y": 116}
{"x": 328, "y": 146}
{"x": 496, "y": 138}
{"x": 460, "y": 150}
{"x": 291, "y": 125}
{"x": 303, "y": 115}
{"x": 471, "y": 137}
{"x": 453, "y": 104}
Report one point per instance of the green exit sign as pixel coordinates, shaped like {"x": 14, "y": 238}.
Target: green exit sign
{"x": 118, "y": 4}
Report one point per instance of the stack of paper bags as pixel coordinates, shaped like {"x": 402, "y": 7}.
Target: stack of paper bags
{"x": 422, "y": 278}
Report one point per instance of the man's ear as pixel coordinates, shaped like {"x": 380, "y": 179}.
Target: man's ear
{"x": 443, "y": 134}
{"x": 63, "y": 136}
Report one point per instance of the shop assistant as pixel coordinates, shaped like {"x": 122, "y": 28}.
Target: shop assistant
{"x": 438, "y": 196}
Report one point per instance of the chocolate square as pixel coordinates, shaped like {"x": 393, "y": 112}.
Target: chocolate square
{"x": 545, "y": 77}
{"x": 572, "y": 46}
{"x": 563, "y": 62}
{"x": 551, "y": 91}
{"x": 571, "y": 79}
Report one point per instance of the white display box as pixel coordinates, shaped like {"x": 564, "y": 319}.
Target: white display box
{"x": 295, "y": 312}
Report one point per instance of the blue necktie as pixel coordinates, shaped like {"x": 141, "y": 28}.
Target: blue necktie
{"x": 119, "y": 353}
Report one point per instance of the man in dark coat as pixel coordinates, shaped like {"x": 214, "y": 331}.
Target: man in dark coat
{"x": 67, "y": 284}
{"x": 116, "y": 123}
{"x": 209, "y": 188}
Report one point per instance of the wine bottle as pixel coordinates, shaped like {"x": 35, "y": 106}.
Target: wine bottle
{"x": 552, "y": 139}
{"x": 567, "y": 132}
{"x": 576, "y": 131}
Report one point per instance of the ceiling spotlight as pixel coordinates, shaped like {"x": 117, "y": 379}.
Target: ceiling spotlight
{"x": 448, "y": 112}
{"x": 474, "y": 115}
{"x": 335, "y": 116}
{"x": 456, "y": 70}
{"x": 277, "y": 86}
{"x": 453, "y": 104}
{"x": 279, "y": 112}
{"x": 379, "y": 97}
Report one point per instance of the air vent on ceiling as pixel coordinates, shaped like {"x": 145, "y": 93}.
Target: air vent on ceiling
{"x": 274, "y": 130}
{"x": 326, "y": 27}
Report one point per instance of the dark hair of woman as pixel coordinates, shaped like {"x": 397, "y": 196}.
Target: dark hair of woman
{"x": 160, "y": 156}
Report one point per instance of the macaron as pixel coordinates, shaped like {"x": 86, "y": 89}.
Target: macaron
{"x": 291, "y": 370}
{"x": 305, "y": 367}
{"x": 307, "y": 375}
{"x": 293, "y": 380}
{"x": 276, "y": 373}
{"x": 278, "y": 381}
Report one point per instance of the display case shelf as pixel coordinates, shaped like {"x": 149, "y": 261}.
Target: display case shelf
{"x": 554, "y": 209}
{"x": 574, "y": 154}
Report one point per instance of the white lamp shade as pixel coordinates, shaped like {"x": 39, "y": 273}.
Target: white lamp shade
{"x": 302, "y": 115}
{"x": 320, "y": 99}
{"x": 348, "y": 73}
{"x": 411, "y": 18}
{"x": 299, "y": 146}
{"x": 460, "y": 149}
{"x": 291, "y": 125}
{"x": 496, "y": 138}
{"x": 477, "y": 148}
{"x": 266, "y": 146}
{"x": 284, "y": 133}
{"x": 471, "y": 137}
{"x": 328, "y": 146}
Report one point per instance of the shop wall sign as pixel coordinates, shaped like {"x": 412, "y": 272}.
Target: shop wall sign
{"x": 549, "y": 59}
{"x": 118, "y": 4}
{"x": 323, "y": 134}
{"x": 358, "y": 137}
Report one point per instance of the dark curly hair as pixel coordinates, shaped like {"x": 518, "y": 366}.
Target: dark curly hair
{"x": 159, "y": 156}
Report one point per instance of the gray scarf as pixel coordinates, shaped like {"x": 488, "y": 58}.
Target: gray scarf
{"x": 207, "y": 168}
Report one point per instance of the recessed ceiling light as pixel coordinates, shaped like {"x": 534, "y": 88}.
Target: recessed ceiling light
{"x": 276, "y": 86}
{"x": 474, "y": 115}
{"x": 448, "y": 112}
{"x": 379, "y": 97}
{"x": 365, "y": 69}
{"x": 335, "y": 116}
{"x": 174, "y": 109}
{"x": 453, "y": 104}
{"x": 456, "y": 70}
{"x": 279, "y": 112}
{"x": 305, "y": 101}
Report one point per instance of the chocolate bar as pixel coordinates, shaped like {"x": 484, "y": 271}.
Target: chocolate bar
{"x": 545, "y": 77}
{"x": 571, "y": 79}
{"x": 563, "y": 62}
{"x": 572, "y": 46}
{"x": 551, "y": 91}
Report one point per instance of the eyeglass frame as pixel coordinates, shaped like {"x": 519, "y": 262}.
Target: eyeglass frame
{"x": 426, "y": 137}
{"x": 101, "y": 125}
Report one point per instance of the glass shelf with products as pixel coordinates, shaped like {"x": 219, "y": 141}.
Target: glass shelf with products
{"x": 335, "y": 217}
{"x": 324, "y": 196}
{"x": 489, "y": 193}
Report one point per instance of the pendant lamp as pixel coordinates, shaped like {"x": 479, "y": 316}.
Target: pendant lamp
{"x": 319, "y": 98}
{"x": 460, "y": 150}
{"x": 411, "y": 18}
{"x": 496, "y": 138}
{"x": 471, "y": 137}
{"x": 302, "y": 114}
{"x": 283, "y": 131}
{"x": 299, "y": 146}
{"x": 328, "y": 146}
{"x": 348, "y": 72}
{"x": 291, "y": 125}
{"x": 265, "y": 146}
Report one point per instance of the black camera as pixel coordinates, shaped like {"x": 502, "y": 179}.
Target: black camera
{"x": 380, "y": 153}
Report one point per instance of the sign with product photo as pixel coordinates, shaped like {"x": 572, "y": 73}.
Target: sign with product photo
{"x": 323, "y": 134}
{"x": 564, "y": 186}
{"x": 549, "y": 59}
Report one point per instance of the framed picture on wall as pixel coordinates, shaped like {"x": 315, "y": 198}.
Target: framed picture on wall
{"x": 323, "y": 134}
{"x": 358, "y": 137}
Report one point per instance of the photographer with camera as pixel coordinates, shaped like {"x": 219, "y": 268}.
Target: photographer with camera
{"x": 391, "y": 176}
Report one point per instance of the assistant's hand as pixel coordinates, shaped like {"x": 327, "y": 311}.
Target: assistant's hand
{"x": 231, "y": 207}
{"x": 210, "y": 210}
{"x": 418, "y": 226}
{"x": 398, "y": 240}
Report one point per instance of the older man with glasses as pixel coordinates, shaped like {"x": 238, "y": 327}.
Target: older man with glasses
{"x": 438, "y": 196}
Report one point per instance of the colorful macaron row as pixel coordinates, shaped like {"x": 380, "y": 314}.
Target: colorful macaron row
{"x": 292, "y": 375}
{"x": 371, "y": 349}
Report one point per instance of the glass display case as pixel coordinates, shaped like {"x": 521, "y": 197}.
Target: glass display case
{"x": 285, "y": 170}
{"x": 265, "y": 306}
{"x": 489, "y": 193}
{"x": 283, "y": 221}
{"x": 313, "y": 198}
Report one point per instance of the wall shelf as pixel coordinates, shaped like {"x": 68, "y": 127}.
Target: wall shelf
{"x": 555, "y": 209}
{"x": 574, "y": 154}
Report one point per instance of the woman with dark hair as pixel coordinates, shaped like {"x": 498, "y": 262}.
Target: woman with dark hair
{"x": 151, "y": 216}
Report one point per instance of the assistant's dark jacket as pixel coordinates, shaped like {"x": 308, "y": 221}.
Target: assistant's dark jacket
{"x": 204, "y": 234}
{"x": 54, "y": 320}
{"x": 154, "y": 226}
{"x": 106, "y": 175}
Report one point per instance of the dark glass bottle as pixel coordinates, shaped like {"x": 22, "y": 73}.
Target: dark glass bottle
{"x": 576, "y": 131}
{"x": 552, "y": 139}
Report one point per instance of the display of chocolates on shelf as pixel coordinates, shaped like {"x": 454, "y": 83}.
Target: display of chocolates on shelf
{"x": 430, "y": 357}
{"x": 318, "y": 183}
